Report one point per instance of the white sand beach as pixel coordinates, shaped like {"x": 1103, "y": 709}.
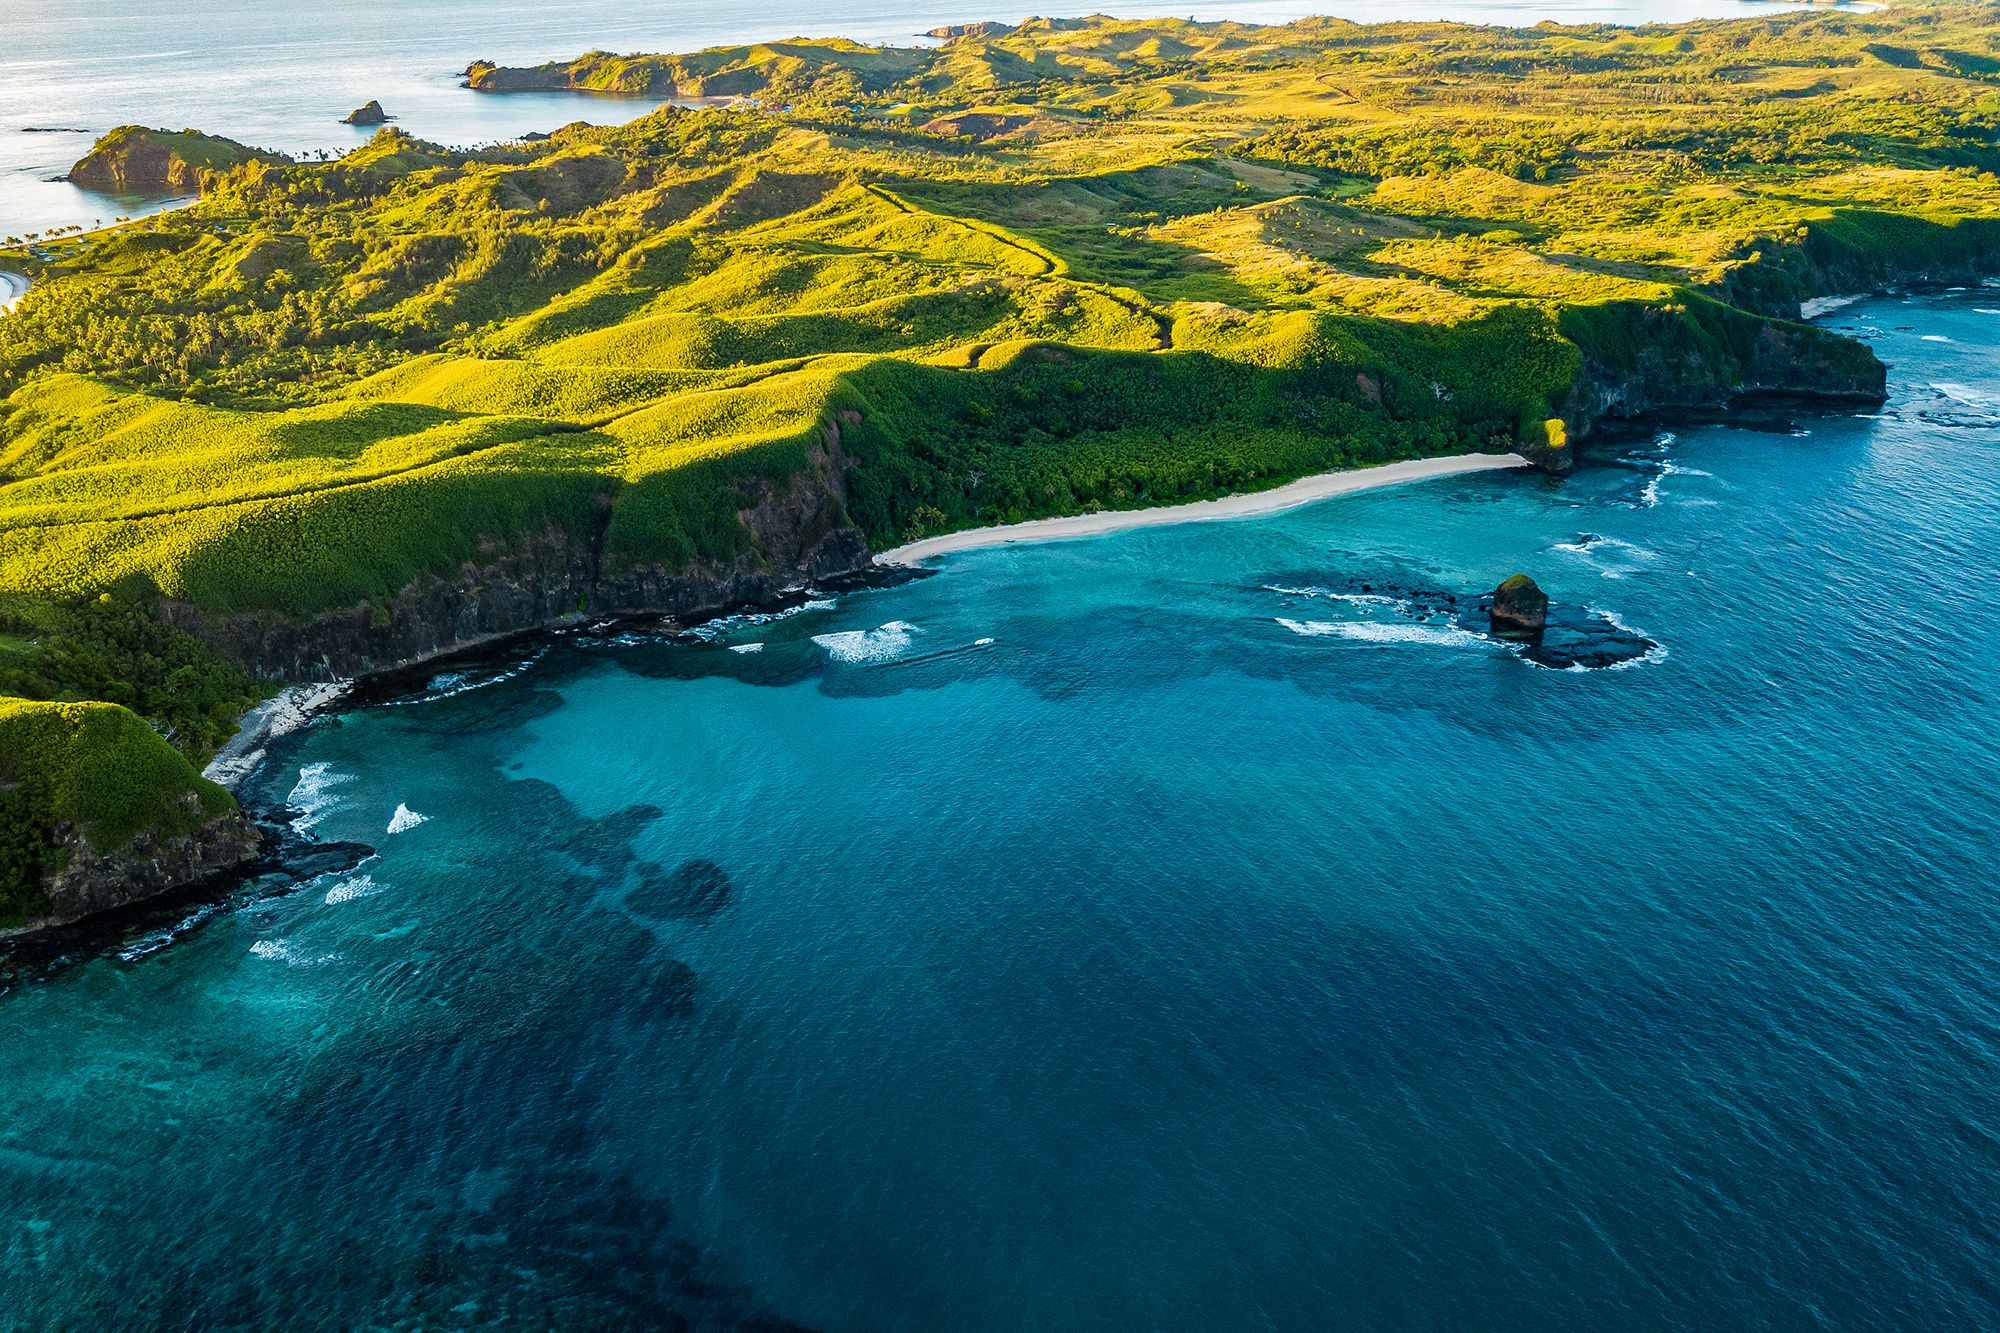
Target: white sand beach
{"x": 13, "y": 286}
{"x": 1304, "y": 491}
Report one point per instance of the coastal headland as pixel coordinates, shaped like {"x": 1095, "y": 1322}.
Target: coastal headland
{"x": 337, "y": 417}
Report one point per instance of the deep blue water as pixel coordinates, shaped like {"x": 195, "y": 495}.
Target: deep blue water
{"x": 1086, "y": 947}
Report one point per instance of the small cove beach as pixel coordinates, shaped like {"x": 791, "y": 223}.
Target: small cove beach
{"x": 1306, "y": 490}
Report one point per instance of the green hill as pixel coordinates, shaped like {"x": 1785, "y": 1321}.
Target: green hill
{"x": 341, "y": 414}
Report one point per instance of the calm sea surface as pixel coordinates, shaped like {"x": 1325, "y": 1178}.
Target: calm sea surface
{"x": 281, "y": 73}
{"x": 1174, "y": 930}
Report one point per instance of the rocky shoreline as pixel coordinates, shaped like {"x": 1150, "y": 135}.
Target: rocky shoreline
{"x": 256, "y": 849}
{"x": 804, "y": 544}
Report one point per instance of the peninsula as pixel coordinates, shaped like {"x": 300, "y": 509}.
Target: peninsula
{"x": 339, "y": 416}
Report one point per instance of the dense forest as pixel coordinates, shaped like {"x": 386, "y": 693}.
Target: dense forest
{"x": 1023, "y": 271}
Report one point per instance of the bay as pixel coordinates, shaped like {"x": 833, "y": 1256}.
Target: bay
{"x": 1188, "y": 928}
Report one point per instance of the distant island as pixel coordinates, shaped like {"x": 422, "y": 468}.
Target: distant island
{"x": 337, "y": 417}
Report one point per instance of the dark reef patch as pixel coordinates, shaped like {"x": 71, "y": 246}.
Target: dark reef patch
{"x": 694, "y": 890}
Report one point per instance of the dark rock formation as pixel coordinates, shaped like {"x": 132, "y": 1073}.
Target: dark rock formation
{"x": 95, "y": 880}
{"x": 301, "y": 858}
{"x": 1551, "y": 453}
{"x": 1520, "y": 610}
{"x": 371, "y": 114}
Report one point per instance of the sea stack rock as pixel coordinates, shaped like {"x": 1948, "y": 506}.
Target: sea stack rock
{"x": 372, "y": 114}
{"x": 1520, "y": 609}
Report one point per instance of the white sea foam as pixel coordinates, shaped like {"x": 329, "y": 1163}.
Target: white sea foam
{"x": 357, "y": 886}
{"x": 1961, "y": 393}
{"x": 1825, "y": 305}
{"x": 313, "y": 796}
{"x": 746, "y": 647}
{"x": 1350, "y": 598}
{"x": 982, "y": 643}
{"x": 1982, "y": 310}
{"x": 1377, "y": 631}
{"x": 405, "y": 819}
{"x": 1649, "y": 494}
{"x": 447, "y": 684}
{"x": 1611, "y": 556}
{"x": 1936, "y": 338}
{"x": 718, "y": 628}
{"x": 1657, "y": 653}
{"x": 625, "y": 639}
{"x": 160, "y": 939}
{"x": 861, "y": 646}
{"x": 284, "y": 951}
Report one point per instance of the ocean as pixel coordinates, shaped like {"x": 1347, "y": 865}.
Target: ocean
{"x": 1191, "y": 928}
{"x": 282, "y": 75}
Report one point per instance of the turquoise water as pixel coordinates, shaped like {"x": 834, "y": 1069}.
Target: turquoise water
{"x": 281, "y": 75}
{"x": 1066, "y": 942}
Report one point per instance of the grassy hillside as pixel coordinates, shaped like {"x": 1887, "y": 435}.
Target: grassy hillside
{"x": 1028, "y": 271}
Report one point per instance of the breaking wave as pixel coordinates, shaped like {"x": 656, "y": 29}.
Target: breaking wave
{"x": 313, "y": 797}
{"x": 405, "y": 819}
{"x": 357, "y": 886}
{"x": 1377, "y": 631}
{"x": 859, "y": 647}
{"x": 284, "y": 951}
{"x": 726, "y": 625}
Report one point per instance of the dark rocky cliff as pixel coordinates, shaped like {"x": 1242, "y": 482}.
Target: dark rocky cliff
{"x": 1648, "y": 361}
{"x": 798, "y": 531}
{"x": 102, "y": 879}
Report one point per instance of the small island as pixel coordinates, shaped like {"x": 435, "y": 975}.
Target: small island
{"x": 368, "y": 115}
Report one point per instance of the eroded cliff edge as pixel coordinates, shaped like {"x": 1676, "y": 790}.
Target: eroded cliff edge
{"x": 798, "y": 530}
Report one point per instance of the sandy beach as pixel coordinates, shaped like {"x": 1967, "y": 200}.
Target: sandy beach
{"x": 13, "y": 287}
{"x": 1304, "y": 491}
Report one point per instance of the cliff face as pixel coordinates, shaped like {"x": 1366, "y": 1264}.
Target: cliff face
{"x": 135, "y": 160}
{"x": 95, "y": 880}
{"x": 487, "y": 78}
{"x": 1861, "y": 251}
{"x": 799, "y": 530}
{"x": 1659, "y": 361}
